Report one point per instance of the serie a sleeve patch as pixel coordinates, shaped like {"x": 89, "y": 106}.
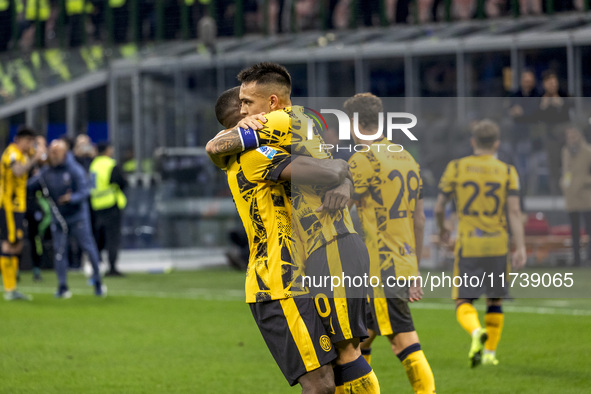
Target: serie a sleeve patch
{"x": 266, "y": 151}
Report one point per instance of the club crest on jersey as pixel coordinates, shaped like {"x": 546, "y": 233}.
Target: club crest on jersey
{"x": 325, "y": 343}
{"x": 266, "y": 151}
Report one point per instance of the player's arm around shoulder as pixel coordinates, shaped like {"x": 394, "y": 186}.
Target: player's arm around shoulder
{"x": 250, "y": 133}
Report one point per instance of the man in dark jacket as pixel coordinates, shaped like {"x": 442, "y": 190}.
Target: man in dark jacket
{"x": 65, "y": 185}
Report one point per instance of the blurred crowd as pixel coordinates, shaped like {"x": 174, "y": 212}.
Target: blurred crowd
{"x": 40, "y": 23}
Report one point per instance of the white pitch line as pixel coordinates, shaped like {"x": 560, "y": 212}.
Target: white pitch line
{"x": 238, "y": 295}
{"x": 541, "y": 310}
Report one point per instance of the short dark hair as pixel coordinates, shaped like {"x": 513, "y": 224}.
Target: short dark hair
{"x": 549, "y": 74}
{"x": 367, "y": 105}
{"x": 68, "y": 140}
{"x": 25, "y": 132}
{"x": 102, "y": 147}
{"x": 266, "y": 73}
{"x": 227, "y": 108}
{"x": 486, "y": 133}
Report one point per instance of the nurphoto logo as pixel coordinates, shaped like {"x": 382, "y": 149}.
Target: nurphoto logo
{"x": 344, "y": 129}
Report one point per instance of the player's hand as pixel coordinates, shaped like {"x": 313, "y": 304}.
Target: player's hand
{"x": 415, "y": 291}
{"x": 40, "y": 154}
{"x": 519, "y": 258}
{"x": 336, "y": 199}
{"x": 444, "y": 236}
{"x": 254, "y": 122}
{"x": 65, "y": 198}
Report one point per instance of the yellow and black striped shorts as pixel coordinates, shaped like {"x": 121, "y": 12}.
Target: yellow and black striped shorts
{"x": 11, "y": 225}
{"x": 295, "y": 335}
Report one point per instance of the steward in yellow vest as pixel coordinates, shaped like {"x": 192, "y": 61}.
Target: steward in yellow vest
{"x": 107, "y": 201}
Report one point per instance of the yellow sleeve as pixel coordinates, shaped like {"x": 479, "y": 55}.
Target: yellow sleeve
{"x": 362, "y": 172}
{"x": 420, "y": 182}
{"x": 275, "y": 131}
{"x": 513, "y": 186}
{"x": 448, "y": 180}
{"x": 264, "y": 163}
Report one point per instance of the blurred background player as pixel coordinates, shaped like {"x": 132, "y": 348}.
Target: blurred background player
{"x": 389, "y": 199}
{"x": 482, "y": 186}
{"x": 108, "y": 200}
{"x": 38, "y": 216}
{"x": 266, "y": 88}
{"x": 14, "y": 173}
{"x": 575, "y": 183}
{"x": 66, "y": 188}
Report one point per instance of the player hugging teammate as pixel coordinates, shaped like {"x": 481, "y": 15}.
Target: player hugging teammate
{"x": 292, "y": 200}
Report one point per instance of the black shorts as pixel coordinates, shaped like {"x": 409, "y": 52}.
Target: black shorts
{"x": 472, "y": 270}
{"x": 11, "y": 226}
{"x": 387, "y": 316}
{"x": 295, "y": 335}
{"x": 342, "y": 309}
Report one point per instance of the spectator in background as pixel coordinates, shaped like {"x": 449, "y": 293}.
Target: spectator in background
{"x": 120, "y": 12}
{"x": 555, "y": 115}
{"x": 84, "y": 151}
{"x": 402, "y": 7}
{"x": 576, "y": 186}
{"x": 525, "y": 105}
{"x": 107, "y": 200}
{"x": 5, "y": 24}
{"x": 37, "y": 13}
{"x": 530, "y": 7}
{"x": 66, "y": 188}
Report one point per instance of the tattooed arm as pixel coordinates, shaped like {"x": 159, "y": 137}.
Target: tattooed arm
{"x": 228, "y": 142}
{"x": 225, "y": 144}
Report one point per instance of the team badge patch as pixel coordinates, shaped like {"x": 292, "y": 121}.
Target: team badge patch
{"x": 325, "y": 343}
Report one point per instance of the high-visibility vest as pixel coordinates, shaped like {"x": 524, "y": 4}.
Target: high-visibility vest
{"x": 32, "y": 13}
{"x": 116, "y": 3}
{"x": 105, "y": 194}
{"x": 76, "y": 7}
{"x": 4, "y": 4}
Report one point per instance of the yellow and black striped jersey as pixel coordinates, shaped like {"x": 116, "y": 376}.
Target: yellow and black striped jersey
{"x": 13, "y": 188}
{"x": 387, "y": 187}
{"x": 263, "y": 204}
{"x": 313, "y": 229}
{"x": 480, "y": 186}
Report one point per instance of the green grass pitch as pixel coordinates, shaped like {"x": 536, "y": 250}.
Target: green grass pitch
{"x": 191, "y": 332}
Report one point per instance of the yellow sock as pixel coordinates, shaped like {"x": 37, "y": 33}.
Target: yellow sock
{"x": 494, "y": 327}
{"x": 468, "y": 317}
{"x": 9, "y": 265}
{"x": 366, "y": 353}
{"x": 349, "y": 381}
{"x": 367, "y": 384}
{"x": 419, "y": 372}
